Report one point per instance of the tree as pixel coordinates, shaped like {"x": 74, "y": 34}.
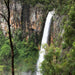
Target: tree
{"x": 7, "y": 3}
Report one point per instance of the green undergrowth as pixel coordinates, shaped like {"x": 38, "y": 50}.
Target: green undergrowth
{"x": 25, "y": 52}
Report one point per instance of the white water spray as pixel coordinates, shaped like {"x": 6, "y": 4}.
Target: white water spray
{"x": 44, "y": 41}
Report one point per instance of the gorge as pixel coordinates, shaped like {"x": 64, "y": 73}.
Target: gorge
{"x": 43, "y": 40}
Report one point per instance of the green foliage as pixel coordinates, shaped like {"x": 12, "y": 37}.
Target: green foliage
{"x": 64, "y": 45}
{"x": 48, "y": 65}
{"x": 1, "y": 67}
{"x": 55, "y": 64}
{"x": 5, "y": 51}
{"x": 2, "y": 38}
{"x": 72, "y": 16}
{"x": 69, "y": 34}
{"x": 25, "y": 52}
{"x": 31, "y": 54}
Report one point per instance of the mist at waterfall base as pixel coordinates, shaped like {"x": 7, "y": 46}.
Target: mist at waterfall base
{"x": 44, "y": 41}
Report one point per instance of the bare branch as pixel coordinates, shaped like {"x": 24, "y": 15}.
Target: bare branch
{"x": 6, "y": 3}
{"x": 4, "y": 17}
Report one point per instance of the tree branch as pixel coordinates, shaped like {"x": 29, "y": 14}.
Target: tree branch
{"x": 4, "y": 17}
{"x": 6, "y": 3}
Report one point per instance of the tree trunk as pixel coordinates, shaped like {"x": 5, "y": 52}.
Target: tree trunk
{"x": 10, "y": 38}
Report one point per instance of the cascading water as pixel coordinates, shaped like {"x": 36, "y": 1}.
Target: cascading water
{"x": 44, "y": 41}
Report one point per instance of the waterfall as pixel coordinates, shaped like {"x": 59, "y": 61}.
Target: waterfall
{"x": 44, "y": 41}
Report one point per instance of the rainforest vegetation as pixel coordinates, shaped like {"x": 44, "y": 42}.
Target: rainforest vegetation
{"x": 60, "y": 54}
{"x": 60, "y": 59}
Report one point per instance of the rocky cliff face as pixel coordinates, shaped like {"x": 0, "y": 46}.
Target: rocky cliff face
{"x": 57, "y": 30}
{"x": 32, "y": 21}
{"x": 36, "y": 17}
